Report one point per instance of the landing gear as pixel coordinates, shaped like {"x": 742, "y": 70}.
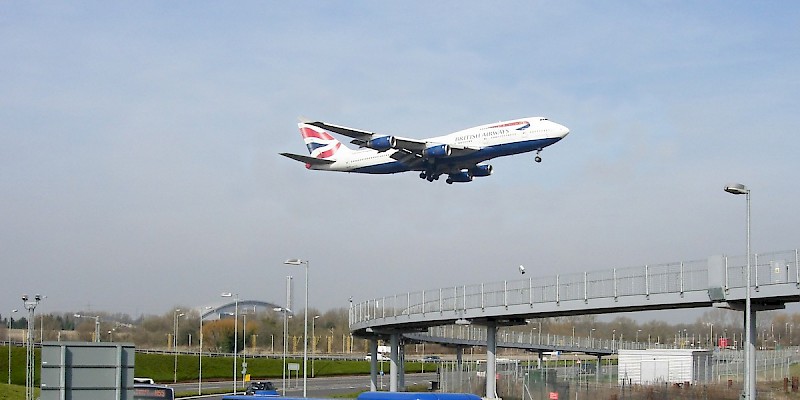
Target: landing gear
{"x": 538, "y": 159}
{"x": 430, "y": 176}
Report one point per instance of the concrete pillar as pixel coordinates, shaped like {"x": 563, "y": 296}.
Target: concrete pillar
{"x": 394, "y": 360}
{"x": 401, "y": 379}
{"x": 373, "y": 364}
{"x": 491, "y": 351}
{"x": 459, "y": 365}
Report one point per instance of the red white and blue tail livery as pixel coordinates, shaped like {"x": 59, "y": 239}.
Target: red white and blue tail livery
{"x": 458, "y": 155}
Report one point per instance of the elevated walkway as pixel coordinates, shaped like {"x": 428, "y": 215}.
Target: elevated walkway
{"x": 718, "y": 281}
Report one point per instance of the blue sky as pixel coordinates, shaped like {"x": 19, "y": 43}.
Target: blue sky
{"x": 139, "y": 143}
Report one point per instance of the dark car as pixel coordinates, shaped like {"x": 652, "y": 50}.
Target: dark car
{"x": 432, "y": 359}
{"x": 261, "y": 388}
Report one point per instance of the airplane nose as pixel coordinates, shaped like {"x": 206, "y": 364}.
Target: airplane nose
{"x": 562, "y": 131}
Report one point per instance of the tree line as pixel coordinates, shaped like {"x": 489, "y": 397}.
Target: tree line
{"x": 262, "y": 332}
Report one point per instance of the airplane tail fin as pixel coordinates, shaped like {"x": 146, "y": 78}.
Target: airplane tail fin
{"x": 321, "y": 144}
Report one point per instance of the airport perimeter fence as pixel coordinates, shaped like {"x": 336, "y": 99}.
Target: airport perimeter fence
{"x": 574, "y": 380}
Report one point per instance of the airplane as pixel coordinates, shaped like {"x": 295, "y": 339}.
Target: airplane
{"x": 458, "y": 155}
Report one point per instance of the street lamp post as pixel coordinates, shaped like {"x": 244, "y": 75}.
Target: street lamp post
{"x": 200, "y": 354}
{"x": 30, "y": 305}
{"x": 235, "y": 332}
{"x": 295, "y": 261}
{"x": 10, "y": 318}
{"x": 96, "y": 325}
{"x": 313, "y": 343}
{"x": 285, "y": 311}
{"x": 175, "y": 316}
{"x": 749, "y": 349}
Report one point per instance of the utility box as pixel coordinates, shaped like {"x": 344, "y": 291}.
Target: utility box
{"x": 87, "y": 371}
{"x": 641, "y": 367}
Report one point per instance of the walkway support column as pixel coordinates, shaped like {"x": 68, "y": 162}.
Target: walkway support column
{"x": 491, "y": 351}
{"x": 459, "y": 365}
{"x": 373, "y": 364}
{"x": 393, "y": 361}
{"x": 401, "y": 378}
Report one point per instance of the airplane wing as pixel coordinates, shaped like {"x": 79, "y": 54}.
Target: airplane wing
{"x": 405, "y": 145}
{"x": 307, "y": 159}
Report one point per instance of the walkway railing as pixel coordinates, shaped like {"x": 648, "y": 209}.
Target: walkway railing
{"x": 679, "y": 277}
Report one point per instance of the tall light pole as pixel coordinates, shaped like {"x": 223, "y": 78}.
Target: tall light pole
{"x": 10, "y": 318}
{"x": 235, "y": 332}
{"x": 200, "y": 354}
{"x": 96, "y": 325}
{"x": 295, "y": 261}
{"x": 313, "y": 343}
{"x": 30, "y": 305}
{"x": 175, "y": 316}
{"x": 749, "y": 349}
{"x": 284, "y": 311}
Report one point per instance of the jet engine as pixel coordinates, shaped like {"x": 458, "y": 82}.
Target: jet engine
{"x": 481, "y": 170}
{"x": 459, "y": 177}
{"x": 441, "y": 150}
{"x": 381, "y": 143}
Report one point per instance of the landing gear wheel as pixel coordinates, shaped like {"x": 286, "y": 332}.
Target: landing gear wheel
{"x": 422, "y": 175}
{"x": 538, "y": 159}
{"x": 449, "y": 181}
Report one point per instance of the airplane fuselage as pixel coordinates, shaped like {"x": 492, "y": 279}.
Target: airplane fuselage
{"x": 457, "y": 154}
{"x": 491, "y": 140}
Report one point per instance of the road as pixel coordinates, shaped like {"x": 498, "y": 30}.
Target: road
{"x": 317, "y": 387}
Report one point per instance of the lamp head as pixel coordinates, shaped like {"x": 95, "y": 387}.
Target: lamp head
{"x": 736, "y": 188}
{"x": 522, "y": 270}
{"x": 294, "y": 261}
{"x": 24, "y": 297}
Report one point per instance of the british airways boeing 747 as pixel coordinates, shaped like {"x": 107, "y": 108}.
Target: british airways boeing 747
{"x": 458, "y": 155}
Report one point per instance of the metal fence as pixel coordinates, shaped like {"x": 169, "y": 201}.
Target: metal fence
{"x": 571, "y": 379}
